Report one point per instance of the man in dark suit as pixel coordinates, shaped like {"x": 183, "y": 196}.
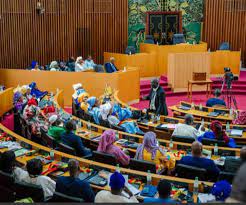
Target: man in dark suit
{"x": 157, "y": 99}
{"x": 197, "y": 160}
{"x": 73, "y": 186}
{"x": 71, "y": 139}
{"x": 110, "y": 67}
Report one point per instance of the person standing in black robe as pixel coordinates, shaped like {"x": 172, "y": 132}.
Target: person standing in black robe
{"x": 157, "y": 99}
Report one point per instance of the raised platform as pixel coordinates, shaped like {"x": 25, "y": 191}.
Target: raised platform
{"x": 238, "y": 87}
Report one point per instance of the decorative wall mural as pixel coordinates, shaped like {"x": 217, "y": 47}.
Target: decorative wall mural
{"x": 192, "y": 14}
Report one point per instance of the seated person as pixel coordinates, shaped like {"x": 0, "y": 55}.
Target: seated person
{"x": 89, "y": 63}
{"x": 62, "y": 66}
{"x": 73, "y": 186}
{"x": 55, "y": 130}
{"x": 92, "y": 103}
{"x": 117, "y": 185}
{"x": 8, "y": 165}
{"x": 33, "y": 176}
{"x": 78, "y": 90}
{"x": 79, "y": 65}
{"x": 54, "y": 66}
{"x": 197, "y": 160}
{"x": 151, "y": 151}
{"x": 19, "y": 102}
{"x": 216, "y": 100}
{"x": 106, "y": 145}
{"x": 232, "y": 164}
{"x": 71, "y": 64}
{"x": 36, "y": 92}
{"x": 187, "y": 130}
{"x": 164, "y": 189}
{"x": 128, "y": 126}
{"x": 35, "y": 66}
{"x": 82, "y": 100}
{"x": 241, "y": 118}
{"x": 69, "y": 138}
{"x": 110, "y": 67}
{"x": 219, "y": 134}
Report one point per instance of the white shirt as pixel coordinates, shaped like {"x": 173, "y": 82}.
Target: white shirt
{"x": 47, "y": 184}
{"x": 79, "y": 67}
{"x": 186, "y": 130}
{"x": 108, "y": 197}
{"x": 89, "y": 64}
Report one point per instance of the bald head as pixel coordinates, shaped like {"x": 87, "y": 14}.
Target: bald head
{"x": 196, "y": 149}
{"x": 73, "y": 166}
{"x": 243, "y": 154}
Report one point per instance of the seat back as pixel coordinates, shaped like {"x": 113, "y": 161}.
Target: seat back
{"x": 66, "y": 149}
{"x": 178, "y": 38}
{"x": 183, "y": 139}
{"x": 232, "y": 164}
{"x": 130, "y": 50}
{"x": 224, "y": 46}
{"x": 190, "y": 172}
{"x": 25, "y": 190}
{"x": 104, "y": 123}
{"x": 149, "y": 39}
{"x": 116, "y": 127}
{"x": 104, "y": 158}
{"x": 48, "y": 141}
{"x": 212, "y": 142}
{"x": 142, "y": 165}
{"x": 59, "y": 197}
{"x": 6, "y": 185}
{"x": 170, "y": 120}
{"x": 228, "y": 176}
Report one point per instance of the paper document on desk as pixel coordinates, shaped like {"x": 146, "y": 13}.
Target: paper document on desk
{"x": 235, "y": 132}
{"x": 204, "y": 198}
{"x": 169, "y": 126}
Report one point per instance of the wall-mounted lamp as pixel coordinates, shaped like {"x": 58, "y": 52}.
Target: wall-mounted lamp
{"x": 40, "y": 9}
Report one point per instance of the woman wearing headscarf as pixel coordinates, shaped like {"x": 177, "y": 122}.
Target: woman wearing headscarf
{"x": 106, "y": 145}
{"x": 241, "y": 119}
{"x": 82, "y": 99}
{"x": 35, "y": 66}
{"x": 149, "y": 150}
{"x": 18, "y": 101}
{"x": 30, "y": 114}
{"x": 79, "y": 65}
{"x": 36, "y": 92}
{"x": 218, "y": 133}
{"x": 54, "y": 66}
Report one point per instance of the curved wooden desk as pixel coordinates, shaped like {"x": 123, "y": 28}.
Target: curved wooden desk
{"x": 86, "y": 163}
{"x": 99, "y": 129}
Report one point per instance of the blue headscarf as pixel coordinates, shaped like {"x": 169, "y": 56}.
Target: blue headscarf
{"x": 91, "y": 101}
{"x": 33, "y": 64}
{"x": 123, "y": 113}
{"x": 221, "y": 190}
{"x": 38, "y": 94}
{"x": 117, "y": 181}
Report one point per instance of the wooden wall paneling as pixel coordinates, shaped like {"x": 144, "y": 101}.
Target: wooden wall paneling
{"x": 225, "y": 20}
{"x": 67, "y": 28}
